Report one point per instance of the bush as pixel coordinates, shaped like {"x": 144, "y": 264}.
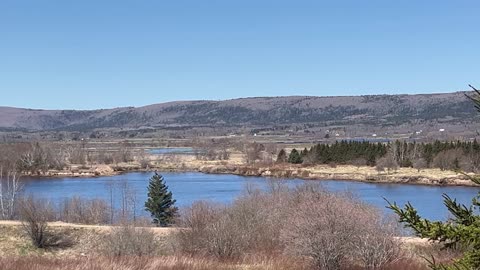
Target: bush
{"x": 35, "y": 214}
{"x": 144, "y": 163}
{"x": 77, "y": 210}
{"x": 448, "y": 160}
{"x": 336, "y": 229}
{"x": 387, "y": 162}
{"x": 419, "y": 164}
{"x": 127, "y": 240}
{"x": 203, "y": 234}
{"x": 249, "y": 225}
{"x": 375, "y": 245}
{"x": 333, "y": 229}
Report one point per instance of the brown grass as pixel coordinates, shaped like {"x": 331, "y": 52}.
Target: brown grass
{"x": 172, "y": 263}
{"x": 135, "y": 263}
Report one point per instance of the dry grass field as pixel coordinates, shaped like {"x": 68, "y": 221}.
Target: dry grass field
{"x": 17, "y": 253}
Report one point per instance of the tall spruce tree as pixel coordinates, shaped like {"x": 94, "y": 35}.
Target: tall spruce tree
{"x": 160, "y": 203}
{"x": 295, "y": 157}
{"x": 462, "y": 230}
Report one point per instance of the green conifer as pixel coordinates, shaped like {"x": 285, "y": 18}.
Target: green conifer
{"x": 295, "y": 157}
{"x": 160, "y": 203}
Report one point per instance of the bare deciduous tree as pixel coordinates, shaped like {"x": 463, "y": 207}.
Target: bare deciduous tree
{"x": 10, "y": 187}
{"x": 419, "y": 164}
{"x": 387, "y": 162}
{"x": 253, "y": 151}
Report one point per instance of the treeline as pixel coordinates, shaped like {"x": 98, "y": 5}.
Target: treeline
{"x": 344, "y": 152}
{"x": 40, "y": 157}
{"x": 454, "y": 155}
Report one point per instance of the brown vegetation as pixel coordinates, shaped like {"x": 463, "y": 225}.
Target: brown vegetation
{"x": 135, "y": 263}
{"x": 334, "y": 230}
{"x": 127, "y": 240}
{"x": 34, "y": 221}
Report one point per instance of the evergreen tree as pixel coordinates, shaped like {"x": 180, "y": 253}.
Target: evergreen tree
{"x": 463, "y": 230}
{"x": 282, "y": 156}
{"x": 304, "y": 153}
{"x": 160, "y": 203}
{"x": 295, "y": 157}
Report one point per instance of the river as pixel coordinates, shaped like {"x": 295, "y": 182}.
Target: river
{"x": 190, "y": 187}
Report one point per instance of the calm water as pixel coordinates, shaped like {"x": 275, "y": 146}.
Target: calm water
{"x": 189, "y": 187}
{"x": 173, "y": 151}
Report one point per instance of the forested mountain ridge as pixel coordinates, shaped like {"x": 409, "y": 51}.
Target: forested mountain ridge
{"x": 341, "y": 110}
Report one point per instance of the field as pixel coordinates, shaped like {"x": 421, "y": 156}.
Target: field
{"x": 17, "y": 253}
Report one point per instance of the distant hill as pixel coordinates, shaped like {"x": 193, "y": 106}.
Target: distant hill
{"x": 261, "y": 111}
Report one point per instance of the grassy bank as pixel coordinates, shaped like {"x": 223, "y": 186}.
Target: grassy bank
{"x": 429, "y": 176}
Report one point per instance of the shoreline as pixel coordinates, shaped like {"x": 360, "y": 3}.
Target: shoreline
{"x": 427, "y": 177}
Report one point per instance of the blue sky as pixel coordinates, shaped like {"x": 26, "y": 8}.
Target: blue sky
{"x": 102, "y": 54}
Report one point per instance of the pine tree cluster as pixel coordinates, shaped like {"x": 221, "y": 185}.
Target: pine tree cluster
{"x": 404, "y": 153}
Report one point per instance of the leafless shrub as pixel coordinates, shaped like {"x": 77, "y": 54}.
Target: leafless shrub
{"x": 78, "y": 210}
{"x": 43, "y": 206}
{"x": 387, "y": 162}
{"x": 38, "y": 158}
{"x": 144, "y": 163}
{"x": 359, "y": 162}
{"x": 420, "y": 164}
{"x": 270, "y": 153}
{"x": 252, "y": 152}
{"x": 448, "y": 160}
{"x": 124, "y": 153}
{"x": 257, "y": 218}
{"x": 471, "y": 163}
{"x": 375, "y": 244}
{"x": 224, "y": 154}
{"x": 309, "y": 159}
{"x": 11, "y": 154}
{"x": 321, "y": 229}
{"x": 228, "y": 232}
{"x": 198, "y": 219}
{"x": 77, "y": 155}
{"x": 127, "y": 240}
{"x": 336, "y": 229}
{"x": 211, "y": 154}
{"x": 331, "y": 228}
{"x": 143, "y": 158}
{"x": 128, "y": 200}
{"x": 34, "y": 215}
{"x": 102, "y": 157}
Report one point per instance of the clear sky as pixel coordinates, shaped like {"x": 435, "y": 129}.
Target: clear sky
{"x": 100, "y": 54}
